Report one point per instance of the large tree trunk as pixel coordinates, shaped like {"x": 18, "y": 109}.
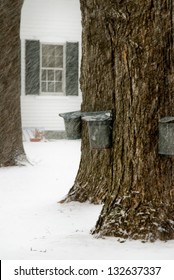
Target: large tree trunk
{"x": 141, "y": 204}
{"x": 11, "y": 148}
{"x": 128, "y": 66}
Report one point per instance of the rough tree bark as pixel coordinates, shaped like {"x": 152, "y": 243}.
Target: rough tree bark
{"x": 98, "y": 89}
{"x": 11, "y": 148}
{"x": 128, "y": 66}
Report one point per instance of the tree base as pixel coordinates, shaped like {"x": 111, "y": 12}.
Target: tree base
{"x": 144, "y": 223}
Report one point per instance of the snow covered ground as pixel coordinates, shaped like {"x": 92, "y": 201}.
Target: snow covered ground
{"x": 34, "y": 226}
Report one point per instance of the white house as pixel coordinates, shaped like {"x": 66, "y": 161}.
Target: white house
{"x": 50, "y": 62}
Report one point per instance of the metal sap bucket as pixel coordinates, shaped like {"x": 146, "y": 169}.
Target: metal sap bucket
{"x": 99, "y": 129}
{"x": 166, "y": 136}
{"x": 72, "y": 121}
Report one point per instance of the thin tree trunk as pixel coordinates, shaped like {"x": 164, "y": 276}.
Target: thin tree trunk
{"x": 11, "y": 148}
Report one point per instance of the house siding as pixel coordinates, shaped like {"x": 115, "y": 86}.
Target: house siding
{"x": 44, "y": 112}
{"x": 48, "y": 21}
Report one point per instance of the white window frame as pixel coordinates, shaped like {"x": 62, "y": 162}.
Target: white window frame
{"x": 52, "y": 68}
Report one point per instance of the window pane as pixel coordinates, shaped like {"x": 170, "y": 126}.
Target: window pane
{"x": 58, "y": 87}
{"x": 45, "y": 49}
{"x": 51, "y": 61}
{"x": 43, "y": 75}
{"x": 51, "y": 50}
{"x": 50, "y": 75}
{"x": 59, "y": 61}
{"x": 58, "y": 75}
{"x": 50, "y": 86}
{"x": 44, "y": 61}
{"x": 44, "y": 87}
{"x": 48, "y": 50}
{"x": 58, "y": 50}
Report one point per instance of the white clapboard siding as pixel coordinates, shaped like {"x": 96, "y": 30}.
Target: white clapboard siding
{"x": 44, "y": 111}
{"x": 48, "y": 21}
{"x": 55, "y": 19}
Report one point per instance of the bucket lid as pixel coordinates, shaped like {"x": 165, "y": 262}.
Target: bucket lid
{"x": 98, "y": 117}
{"x": 71, "y": 115}
{"x": 167, "y": 120}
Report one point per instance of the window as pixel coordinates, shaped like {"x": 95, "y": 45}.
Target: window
{"x": 52, "y": 69}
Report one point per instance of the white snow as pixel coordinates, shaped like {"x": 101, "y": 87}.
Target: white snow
{"x": 33, "y": 225}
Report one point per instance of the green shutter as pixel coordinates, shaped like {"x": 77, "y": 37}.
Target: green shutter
{"x": 32, "y": 67}
{"x": 72, "y": 68}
